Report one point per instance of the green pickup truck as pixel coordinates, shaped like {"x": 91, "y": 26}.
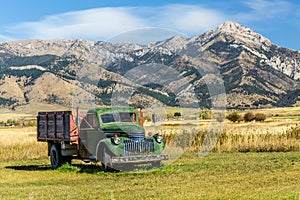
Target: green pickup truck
{"x": 113, "y": 136}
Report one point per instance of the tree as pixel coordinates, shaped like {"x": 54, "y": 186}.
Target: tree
{"x": 234, "y": 117}
{"x": 205, "y": 114}
{"x": 260, "y": 117}
{"x": 249, "y": 116}
{"x": 177, "y": 114}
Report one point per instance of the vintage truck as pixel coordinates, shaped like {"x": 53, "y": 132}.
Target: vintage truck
{"x": 113, "y": 136}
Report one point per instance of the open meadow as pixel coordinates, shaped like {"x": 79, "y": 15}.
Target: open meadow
{"x": 255, "y": 160}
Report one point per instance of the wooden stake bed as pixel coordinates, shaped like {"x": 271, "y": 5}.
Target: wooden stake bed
{"x": 56, "y": 126}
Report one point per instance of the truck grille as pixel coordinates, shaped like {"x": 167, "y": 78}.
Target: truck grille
{"x": 138, "y": 147}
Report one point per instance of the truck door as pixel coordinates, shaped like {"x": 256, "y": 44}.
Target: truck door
{"x": 90, "y": 133}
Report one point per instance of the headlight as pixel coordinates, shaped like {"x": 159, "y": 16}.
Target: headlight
{"x": 116, "y": 140}
{"x": 159, "y": 139}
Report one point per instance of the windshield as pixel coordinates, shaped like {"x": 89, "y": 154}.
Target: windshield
{"x": 118, "y": 117}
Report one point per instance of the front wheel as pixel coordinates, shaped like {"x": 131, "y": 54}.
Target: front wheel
{"x": 55, "y": 156}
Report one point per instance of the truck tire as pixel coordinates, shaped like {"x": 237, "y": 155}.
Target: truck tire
{"x": 55, "y": 156}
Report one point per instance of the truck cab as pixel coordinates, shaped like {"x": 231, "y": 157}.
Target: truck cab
{"x": 113, "y": 136}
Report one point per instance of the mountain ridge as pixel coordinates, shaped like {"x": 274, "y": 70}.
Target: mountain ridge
{"x": 255, "y": 72}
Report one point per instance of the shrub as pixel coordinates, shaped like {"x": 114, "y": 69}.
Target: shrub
{"x": 234, "y": 117}
{"x": 177, "y": 114}
{"x": 205, "y": 114}
{"x": 260, "y": 117}
{"x": 31, "y": 122}
{"x": 170, "y": 116}
{"x": 249, "y": 116}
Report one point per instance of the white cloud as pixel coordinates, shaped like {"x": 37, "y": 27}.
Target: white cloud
{"x": 105, "y": 23}
{"x": 189, "y": 19}
{"x": 271, "y": 8}
{"x": 261, "y": 10}
{"x": 102, "y": 23}
{"x": 91, "y": 24}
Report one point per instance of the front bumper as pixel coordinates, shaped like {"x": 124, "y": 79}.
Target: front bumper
{"x": 140, "y": 158}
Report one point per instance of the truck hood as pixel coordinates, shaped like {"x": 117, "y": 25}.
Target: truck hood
{"x": 123, "y": 127}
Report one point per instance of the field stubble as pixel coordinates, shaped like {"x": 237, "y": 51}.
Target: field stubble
{"x": 20, "y": 143}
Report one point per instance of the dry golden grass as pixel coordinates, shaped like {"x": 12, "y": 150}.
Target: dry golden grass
{"x": 5, "y": 116}
{"x": 280, "y": 134}
{"x": 238, "y": 138}
{"x": 20, "y": 143}
{"x": 271, "y": 127}
{"x": 279, "y": 112}
{"x": 276, "y": 125}
{"x": 17, "y": 135}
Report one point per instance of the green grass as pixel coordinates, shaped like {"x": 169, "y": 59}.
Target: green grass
{"x": 272, "y": 175}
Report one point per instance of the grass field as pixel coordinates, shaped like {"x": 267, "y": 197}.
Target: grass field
{"x": 251, "y": 161}
{"x": 218, "y": 176}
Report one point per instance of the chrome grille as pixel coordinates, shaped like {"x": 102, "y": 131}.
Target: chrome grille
{"x": 138, "y": 147}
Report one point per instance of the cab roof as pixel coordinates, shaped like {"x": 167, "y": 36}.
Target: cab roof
{"x": 114, "y": 109}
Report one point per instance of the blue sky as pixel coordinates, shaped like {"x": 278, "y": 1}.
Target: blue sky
{"x": 278, "y": 20}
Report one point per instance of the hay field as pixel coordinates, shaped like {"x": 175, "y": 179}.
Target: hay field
{"x": 20, "y": 143}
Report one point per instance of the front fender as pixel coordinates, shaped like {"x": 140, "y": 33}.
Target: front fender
{"x": 112, "y": 149}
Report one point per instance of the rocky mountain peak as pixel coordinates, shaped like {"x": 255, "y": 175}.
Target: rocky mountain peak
{"x": 243, "y": 35}
{"x": 173, "y": 44}
{"x": 232, "y": 27}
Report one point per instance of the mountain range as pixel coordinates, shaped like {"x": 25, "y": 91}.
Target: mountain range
{"x": 231, "y": 60}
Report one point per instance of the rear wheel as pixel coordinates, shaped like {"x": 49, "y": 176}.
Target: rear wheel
{"x": 55, "y": 156}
